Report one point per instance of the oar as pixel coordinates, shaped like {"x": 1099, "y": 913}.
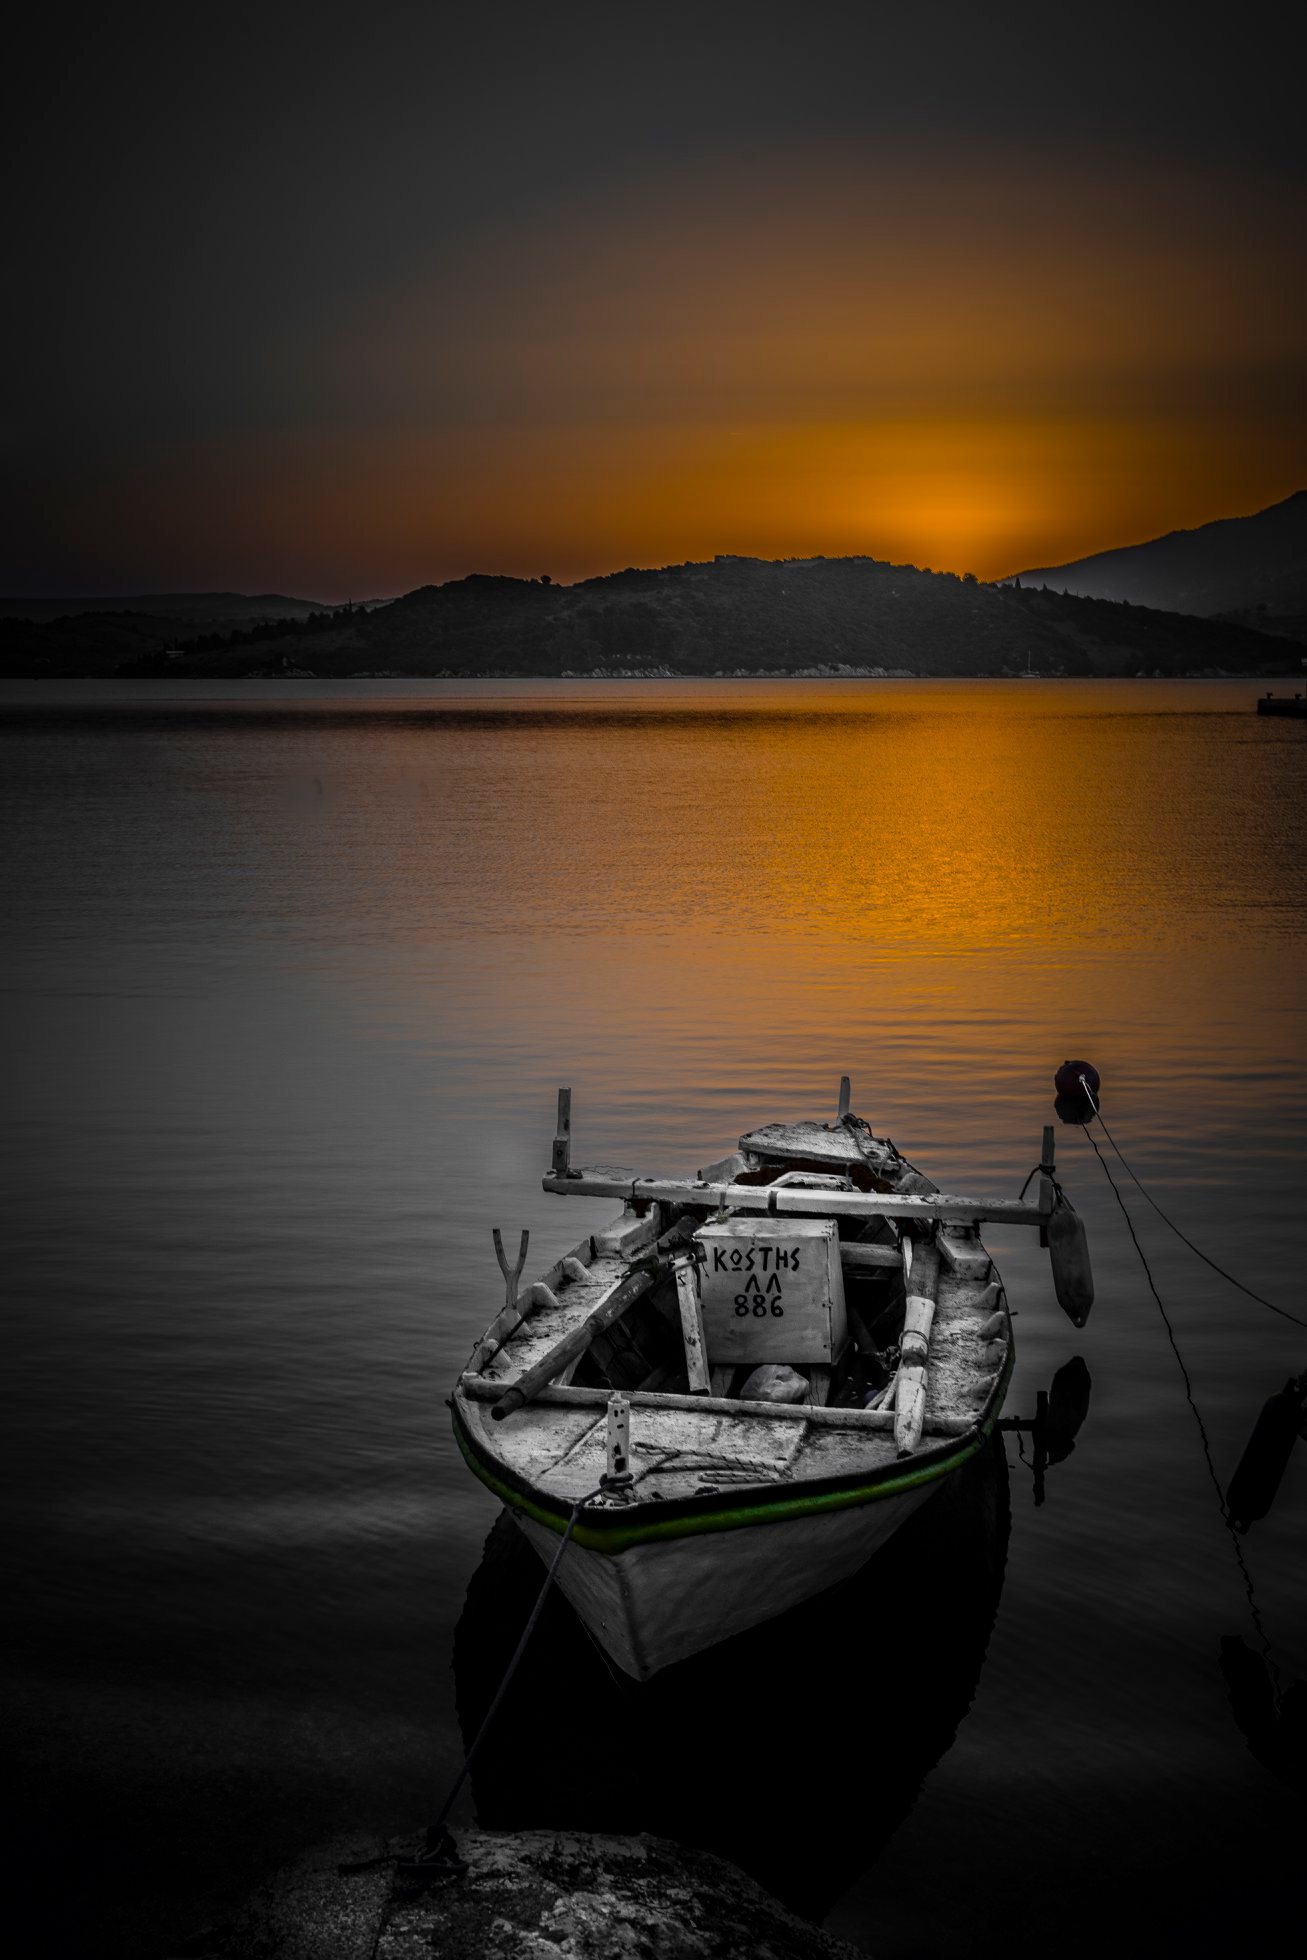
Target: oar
{"x": 922, "y": 1292}
{"x": 605, "y": 1311}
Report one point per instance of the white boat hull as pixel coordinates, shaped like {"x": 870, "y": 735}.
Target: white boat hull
{"x": 662, "y": 1601}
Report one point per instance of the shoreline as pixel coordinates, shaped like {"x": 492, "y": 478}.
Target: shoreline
{"x": 660, "y": 674}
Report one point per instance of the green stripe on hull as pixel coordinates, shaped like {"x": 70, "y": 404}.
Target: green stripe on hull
{"x": 619, "y": 1538}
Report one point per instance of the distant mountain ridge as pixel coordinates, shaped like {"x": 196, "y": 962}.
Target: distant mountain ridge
{"x": 1234, "y": 565}
{"x": 86, "y": 637}
{"x": 728, "y": 616}
{"x": 191, "y": 608}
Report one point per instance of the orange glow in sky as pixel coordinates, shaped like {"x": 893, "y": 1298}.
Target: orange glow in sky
{"x": 957, "y": 361}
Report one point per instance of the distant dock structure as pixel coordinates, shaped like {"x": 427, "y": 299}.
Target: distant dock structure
{"x": 1283, "y": 704}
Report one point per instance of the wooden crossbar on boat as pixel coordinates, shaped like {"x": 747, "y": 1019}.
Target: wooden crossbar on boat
{"x": 871, "y": 1258}
{"x": 780, "y": 1199}
{"x": 484, "y": 1388}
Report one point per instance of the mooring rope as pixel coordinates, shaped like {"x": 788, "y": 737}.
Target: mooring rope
{"x": 440, "y": 1856}
{"x": 440, "y": 1859}
{"x": 1253, "y": 1608}
{"x": 1057, "y": 1188}
{"x": 518, "y": 1652}
{"x": 1182, "y": 1236}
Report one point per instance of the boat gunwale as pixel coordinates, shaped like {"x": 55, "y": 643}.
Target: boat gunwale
{"x": 683, "y": 1517}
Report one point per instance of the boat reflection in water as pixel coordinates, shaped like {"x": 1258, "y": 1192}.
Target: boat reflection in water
{"x": 749, "y": 1748}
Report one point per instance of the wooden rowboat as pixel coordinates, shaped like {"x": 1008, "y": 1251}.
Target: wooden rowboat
{"x": 643, "y": 1375}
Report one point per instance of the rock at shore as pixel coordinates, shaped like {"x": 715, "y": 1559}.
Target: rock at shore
{"x": 531, "y": 1895}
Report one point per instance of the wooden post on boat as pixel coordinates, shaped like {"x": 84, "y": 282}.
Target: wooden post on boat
{"x": 921, "y": 1268}
{"x": 1047, "y": 1195}
{"x": 562, "y": 1159}
{"x": 687, "y": 1295}
{"x": 846, "y": 1098}
{"x": 619, "y": 1439}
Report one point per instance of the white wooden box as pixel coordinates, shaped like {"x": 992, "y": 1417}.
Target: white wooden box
{"x": 772, "y": 1290}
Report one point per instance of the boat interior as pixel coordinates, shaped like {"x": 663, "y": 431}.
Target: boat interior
{"x": 753, "y": 1349}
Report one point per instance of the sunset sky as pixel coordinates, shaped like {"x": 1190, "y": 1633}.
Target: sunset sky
{"x": 340, "y": 300}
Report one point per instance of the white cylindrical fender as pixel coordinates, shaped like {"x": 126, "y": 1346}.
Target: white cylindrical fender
{"x": 1068, "y": 1251}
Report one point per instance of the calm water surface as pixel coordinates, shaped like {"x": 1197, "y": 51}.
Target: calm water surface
{"x": 289, "y": 995}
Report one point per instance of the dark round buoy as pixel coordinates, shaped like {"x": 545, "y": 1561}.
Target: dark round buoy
{"x": 1067, "y": 1081}
{"x": 1074, "y": 1109}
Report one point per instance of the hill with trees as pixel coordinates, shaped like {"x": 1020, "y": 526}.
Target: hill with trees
{"x": 730, "y": 616}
